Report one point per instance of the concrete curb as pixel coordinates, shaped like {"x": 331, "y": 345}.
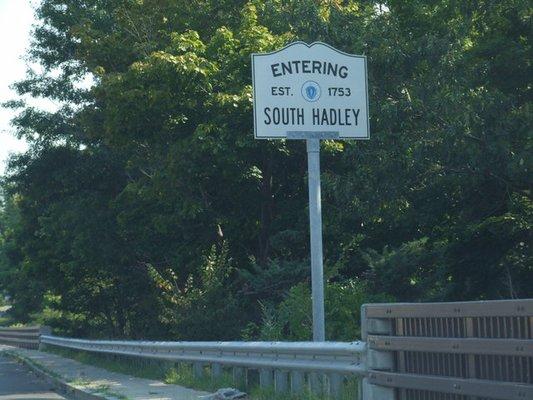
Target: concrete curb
{"x": 61, "y": 386}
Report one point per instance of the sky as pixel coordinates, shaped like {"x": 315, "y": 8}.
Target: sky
{"x": 16, "y": 19}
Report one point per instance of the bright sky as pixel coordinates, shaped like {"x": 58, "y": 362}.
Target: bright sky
{"x": 16, "y": 18}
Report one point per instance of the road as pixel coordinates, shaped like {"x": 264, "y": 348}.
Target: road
{"x": 18, "y": 383}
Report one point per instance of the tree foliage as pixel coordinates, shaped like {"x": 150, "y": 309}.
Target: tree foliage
{"x": 145, "y": 208}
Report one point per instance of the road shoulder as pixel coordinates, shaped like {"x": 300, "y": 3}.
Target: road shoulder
{"x": 86, "y": 382}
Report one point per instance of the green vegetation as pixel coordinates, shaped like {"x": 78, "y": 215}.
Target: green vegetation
{"x": 145, "y": 208}
{"x": 350, "y": 393}
{"x": 141, "y": 368}
{"x": 104, "y": 390}
{"x": 182, "y": 374}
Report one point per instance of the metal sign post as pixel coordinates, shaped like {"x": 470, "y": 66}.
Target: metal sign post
{"x": 315, "y": 221}
{"x": 311, "y": 92}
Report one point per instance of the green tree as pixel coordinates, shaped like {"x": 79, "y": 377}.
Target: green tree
{"x": 144, "y": 200}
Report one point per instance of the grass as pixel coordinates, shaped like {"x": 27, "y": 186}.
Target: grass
{"x": 134, "y": 366}
{"x": 350, "y": 392}
{"x": 104, "y": 390}
{"x": 183, "y": 375}
{"x": 100, "y": 389}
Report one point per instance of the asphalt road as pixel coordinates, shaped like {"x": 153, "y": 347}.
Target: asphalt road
{"x": 18, "y": 383}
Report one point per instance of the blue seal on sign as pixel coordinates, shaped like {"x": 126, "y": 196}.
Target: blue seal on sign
{"x": 311, "y": 91}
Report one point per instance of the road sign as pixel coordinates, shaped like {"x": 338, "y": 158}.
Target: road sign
{"x": 310, "y": 91}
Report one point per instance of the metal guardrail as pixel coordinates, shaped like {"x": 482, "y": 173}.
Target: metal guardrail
{"x": 283, "y": 365}
{"x": 330, "y": 357}
{"x": 25, "y": 337}
{"x": 458, "y": 351}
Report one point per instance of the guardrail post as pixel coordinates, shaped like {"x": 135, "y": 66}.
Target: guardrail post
{"x": 198, "y": 370}
{"x": 374, "y": 392}
{"x": 216, "y": 370}
{"x": 335, "y": 385}
{"x": 266, "y": 378}
{"x": 297, "y": 381}
{"x": 281, "y": 380}
{"x": 376, "y": 360}
{"x": 44, "y": 330}
{"x": 316, "y": 383}
{"x": 239, "y": 376}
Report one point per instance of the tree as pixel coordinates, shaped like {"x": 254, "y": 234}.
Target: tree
{"x": 157, "y": 161}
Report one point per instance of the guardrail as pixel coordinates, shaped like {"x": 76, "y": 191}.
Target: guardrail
{"x": 26, "y": 337}
{"x": 424, "y": 351}
{"x": 463, "y": 350}
{"x": 283, "y": 365}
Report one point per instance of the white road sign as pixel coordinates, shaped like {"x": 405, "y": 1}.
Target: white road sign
{"x": 304, "y": 91}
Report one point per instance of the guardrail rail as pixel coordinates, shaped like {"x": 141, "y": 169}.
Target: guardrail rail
{"x": 25, "y": 337}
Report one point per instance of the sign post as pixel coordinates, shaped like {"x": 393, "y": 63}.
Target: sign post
{"x": 315, "y": 222}
{"x": 311, "y": 92}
